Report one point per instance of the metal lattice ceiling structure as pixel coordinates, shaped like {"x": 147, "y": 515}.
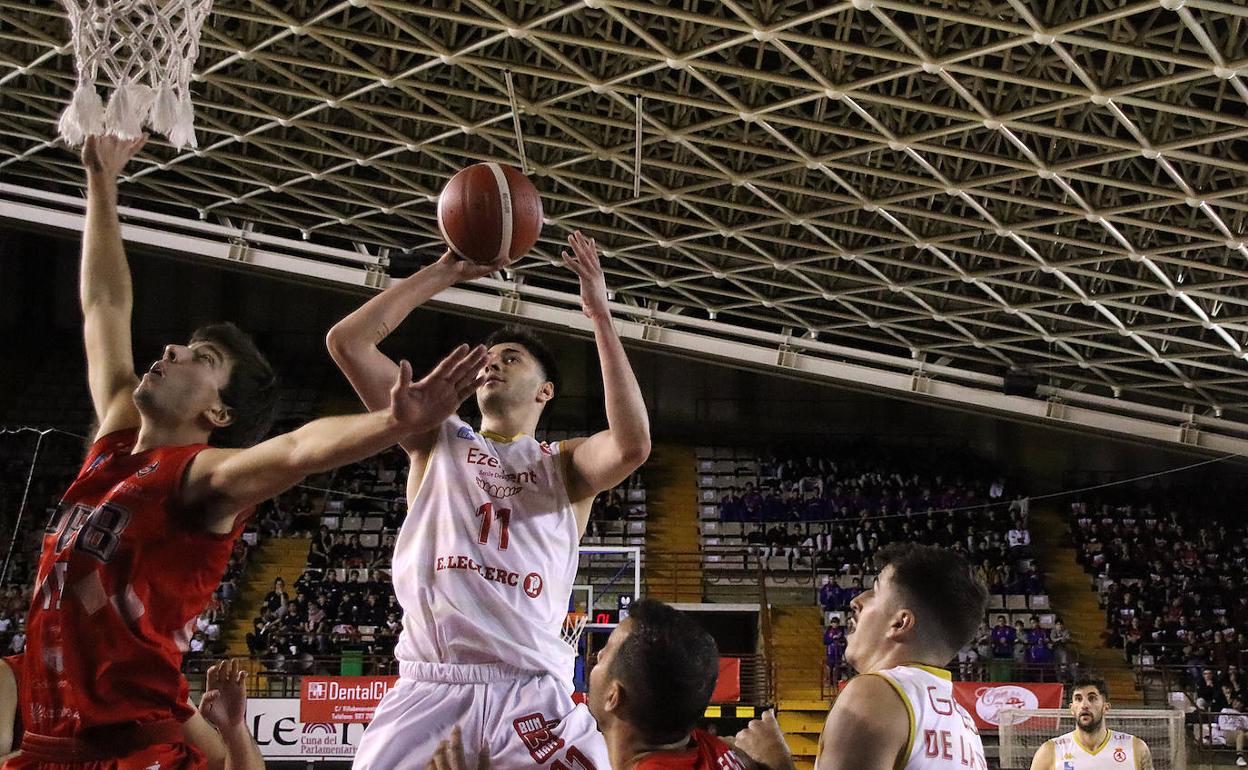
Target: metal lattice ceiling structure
{"x": 1059, "y": 185}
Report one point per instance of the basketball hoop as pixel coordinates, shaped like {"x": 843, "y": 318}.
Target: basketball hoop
{"x": 145, "y": 51}
{"x": 573, "y": 626}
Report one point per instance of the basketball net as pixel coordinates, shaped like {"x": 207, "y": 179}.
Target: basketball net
{"x": 573, "y": 627}
{"x": 145, "y": 51}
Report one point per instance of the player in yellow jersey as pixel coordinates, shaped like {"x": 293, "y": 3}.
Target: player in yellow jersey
{"x": 899, "y": 713}
{"x": 1092, "y": 745}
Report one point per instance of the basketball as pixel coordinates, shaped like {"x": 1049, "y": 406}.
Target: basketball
{"x": 488, "y": 212}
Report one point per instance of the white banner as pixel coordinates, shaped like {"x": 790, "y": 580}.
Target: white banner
{"x": 275, "y": 724}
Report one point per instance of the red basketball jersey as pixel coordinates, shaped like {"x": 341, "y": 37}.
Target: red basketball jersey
{"x": 122, "y": 576}
{"x": 706, "y": 752}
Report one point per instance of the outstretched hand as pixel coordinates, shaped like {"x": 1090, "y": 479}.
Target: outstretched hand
{"x": 422, "y": 406}
{"x": 224, "y": 703}
{"x": 450, "y": 755}
{"x": 106, "y": 155}
{"x": 585, "y": 263}
{"x": 467, "y": 270}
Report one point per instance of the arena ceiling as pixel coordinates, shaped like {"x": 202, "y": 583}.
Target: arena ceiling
{"x": 1056, "y": 185}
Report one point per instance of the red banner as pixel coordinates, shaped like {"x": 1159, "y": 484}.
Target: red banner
{"x": 728, "y": 686}
{"x": 341, "y": 698}
{"x": 984, "y": 699}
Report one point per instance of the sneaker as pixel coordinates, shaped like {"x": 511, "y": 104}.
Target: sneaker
{"x": 1240, "y": 761}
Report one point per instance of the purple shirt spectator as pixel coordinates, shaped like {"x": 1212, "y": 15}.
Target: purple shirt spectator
{"x": 1003, "y": 637}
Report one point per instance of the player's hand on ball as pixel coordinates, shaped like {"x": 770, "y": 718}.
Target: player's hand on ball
{"x": 467, "y": 270}
{"x": 585, "y": 263}
{"x": 107, "y": 155}
{"x": 422, "y": 406}
{"x": 450, "y": 755}
{"x": 224, "y": 703}
{"x": 763, "y": 740}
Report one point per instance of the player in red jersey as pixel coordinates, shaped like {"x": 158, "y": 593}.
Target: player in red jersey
{"x": 142, "y": 536}
{"x": 216, "y": 728}
{"x": 652, "y": 683}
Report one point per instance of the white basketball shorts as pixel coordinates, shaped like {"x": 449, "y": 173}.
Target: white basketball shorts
{"x": 522, "y": 720}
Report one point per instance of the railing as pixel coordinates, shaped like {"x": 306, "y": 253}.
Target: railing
{"x": 754, "y": 680}
{"x": 766, "y": 629}
{"x": 1178, "y": 678}
{"x": 268, "y": 681}
{"x": 1202, "y": 733}
{"x": 980, "y": 671}
{"x": 281, "y": 680}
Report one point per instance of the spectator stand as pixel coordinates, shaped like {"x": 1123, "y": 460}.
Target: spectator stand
{"x": 1169, "y": 565}
{"x": 813, "y": 523}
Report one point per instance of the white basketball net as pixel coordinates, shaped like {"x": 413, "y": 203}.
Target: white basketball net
{"x": 573, "y": 626}
{"x": 145, "y": 50}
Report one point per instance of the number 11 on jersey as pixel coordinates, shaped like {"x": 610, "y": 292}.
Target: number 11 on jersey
{"x": 487, "y": 514}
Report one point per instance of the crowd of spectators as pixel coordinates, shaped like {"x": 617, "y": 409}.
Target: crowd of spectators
{"x": 343, "y": 599}
{"x": 833, "y": 513}
{"x": 1170, "y": 565}
{"x": 1171, "y": 580}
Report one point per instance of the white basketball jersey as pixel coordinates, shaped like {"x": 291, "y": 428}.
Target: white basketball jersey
{"x": 1116, "y": 752}
{"x": 484, "y": 562}
{"x": 943, "y": 735}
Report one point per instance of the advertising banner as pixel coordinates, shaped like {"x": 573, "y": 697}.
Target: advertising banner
{"x": 342, "y": 698}
{"x": 983, "y": 700}
{"x": 280, "y": 734}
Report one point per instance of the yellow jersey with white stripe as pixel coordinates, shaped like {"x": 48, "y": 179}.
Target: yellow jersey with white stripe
{"x": 943, "y": 735}
{"x": 1115, "y": 752}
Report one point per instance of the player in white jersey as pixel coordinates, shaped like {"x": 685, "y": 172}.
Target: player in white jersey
{"x": 1092, "y": 745}
{"x": 484, "y": 562}
{"x": 899, "y": 713}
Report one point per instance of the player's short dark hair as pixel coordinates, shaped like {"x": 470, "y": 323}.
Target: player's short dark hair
{"x": 944, "y": 591}
{"x": 251, "y": 393}
{"x": 532, "y": 343}
{"x": 1089, "y": 680}
{"x": 667, "y": 665}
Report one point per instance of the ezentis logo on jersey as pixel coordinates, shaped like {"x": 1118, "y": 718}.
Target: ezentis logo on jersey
{"x": 495, "y": 480}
